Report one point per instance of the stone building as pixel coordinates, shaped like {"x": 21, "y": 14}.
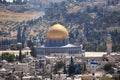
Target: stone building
{"x": 58, "y": 43}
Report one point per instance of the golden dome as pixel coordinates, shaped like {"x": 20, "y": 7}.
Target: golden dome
{"x": 57, "y": 31}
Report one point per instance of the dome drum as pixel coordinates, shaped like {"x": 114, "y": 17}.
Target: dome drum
{"x": 55, "y": 43}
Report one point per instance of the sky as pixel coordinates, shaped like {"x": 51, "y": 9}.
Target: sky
{"x": 9, "y": 0}
{"x": 51, "y": 0}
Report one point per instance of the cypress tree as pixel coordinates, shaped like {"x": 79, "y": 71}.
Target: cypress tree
{"x": 23, "y": 36}
{"x": 64, "y": 70}
{"x": 19, "y": 38}
{"x": 33, "y": 52}
{"x": 71, "y": 69}
{"x": 20, "y": 54}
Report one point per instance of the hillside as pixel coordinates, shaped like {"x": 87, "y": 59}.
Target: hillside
{"x": 88, "y": 22}
{"x": 15, "y": 17}
{"x": 10, "y": 18}
{"x": 95, "y": 18}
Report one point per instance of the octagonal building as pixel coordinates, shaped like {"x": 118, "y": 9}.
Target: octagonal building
{"x": 58, "y": 43}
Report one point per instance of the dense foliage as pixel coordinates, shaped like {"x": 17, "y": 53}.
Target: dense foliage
{"x": 74, "y": 68}
{"x": 59, "y": 65}
{"x": 9, "y": 57}
{"x": 108, "y": 68}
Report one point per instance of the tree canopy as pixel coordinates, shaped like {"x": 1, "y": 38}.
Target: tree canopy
{"x": 9, "y": 57}
{"x": 108, "y": 68}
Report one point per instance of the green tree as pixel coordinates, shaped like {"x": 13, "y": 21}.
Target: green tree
{"x": 24, "y": 35}
{"x": 33, "y": 51}
{"x": 59, "y": 65}
{"x": 64, "y": 69}
{"x": 71, "y": 69}
{"x": 108, "y": 68}
{"x": 32, "y": 47}
{"x": 19, "y": 37}
{"x": 9, "y": 57}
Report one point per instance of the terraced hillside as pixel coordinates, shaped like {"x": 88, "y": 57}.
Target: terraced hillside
{"x": 88, "y": 22}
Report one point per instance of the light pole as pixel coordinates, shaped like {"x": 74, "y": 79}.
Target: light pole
{"x": 20, "y": 52}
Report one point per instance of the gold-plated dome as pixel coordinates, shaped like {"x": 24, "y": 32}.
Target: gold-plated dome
{"x": 57, "y": 31}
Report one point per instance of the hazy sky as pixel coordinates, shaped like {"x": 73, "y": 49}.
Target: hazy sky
{"x": 9, "y": 0}
{"x": 51, "y": 0}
